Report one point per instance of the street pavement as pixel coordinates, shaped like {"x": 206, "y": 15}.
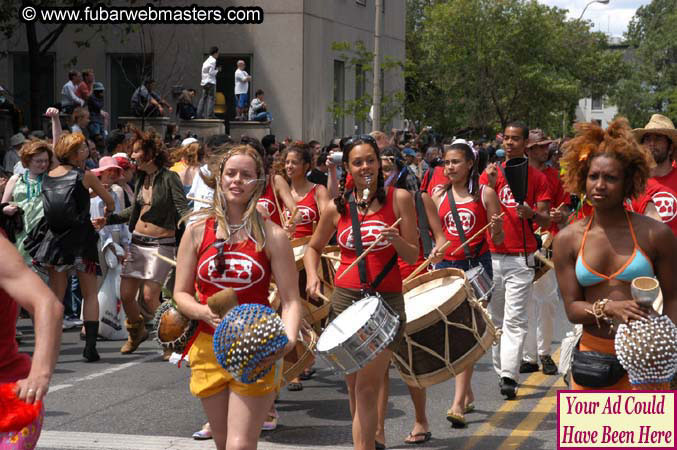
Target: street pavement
{"x": 141, "y": 402}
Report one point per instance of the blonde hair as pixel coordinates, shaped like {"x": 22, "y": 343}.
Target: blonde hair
{"x": 66, "y": 145}
{"x": 254, "y": 222}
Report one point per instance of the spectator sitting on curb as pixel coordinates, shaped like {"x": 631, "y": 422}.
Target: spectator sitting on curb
{"x": 184, "y": 105}
{"x": 258, "y": 109}
{"x": 147, "y": 103}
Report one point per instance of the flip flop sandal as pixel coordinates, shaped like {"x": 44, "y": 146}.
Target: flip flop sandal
{"x": 202, "y": 435}
{"x": 294, "y": 387}
{"x": 457, "y": 420}
{"x": 305, "y": 376}
{"x": 379, "y": 445}
{"x": 426, "y": 437}
{"x": 470, "y": 407}
{"x": 271, "y": 423}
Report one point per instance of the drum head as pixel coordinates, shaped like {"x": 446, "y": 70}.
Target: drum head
{"x": 347, "y": 323}
{"x": 440, "y": 289}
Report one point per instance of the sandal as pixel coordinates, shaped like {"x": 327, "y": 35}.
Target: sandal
{"x": 413, "y": 439}
{"x": 271, "y": 423}
{"x": 470, "y": 407}
{"x": 307, "y": 375}
{"x": 457, "y": 420}
{"x": 202, "y": 435}
{"x": 294, "y": 387}
{"x": 379, "y": 445}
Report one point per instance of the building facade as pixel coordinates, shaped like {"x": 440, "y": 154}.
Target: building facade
{"x": 289, "y": 56}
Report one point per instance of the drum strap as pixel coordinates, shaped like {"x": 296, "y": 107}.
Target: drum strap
{"x": 423, "y": 225}
{"x": 459, "y": 228}
{"x": 362, "y": 264}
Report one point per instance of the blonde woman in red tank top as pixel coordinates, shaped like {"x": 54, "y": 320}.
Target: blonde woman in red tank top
{"x": 376, "y": 213}
{"x": 310, "y": 198}
{"x": 209, "y": 251}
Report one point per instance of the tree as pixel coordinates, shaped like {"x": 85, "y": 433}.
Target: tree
{"x": 651, "y": 84}
{"x": 490, "y": 62}
{"x": 357, "y": 55}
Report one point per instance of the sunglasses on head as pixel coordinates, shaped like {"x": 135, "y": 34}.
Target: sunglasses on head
{"x": 359, "y": 137}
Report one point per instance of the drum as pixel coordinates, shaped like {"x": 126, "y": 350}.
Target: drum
{"x": 172, "y": 329}
{"x": 447, "y": 329}
{"x": 480, "y": 282}
{"x": 358, "y": 335}
{"x": 303, "y": 356}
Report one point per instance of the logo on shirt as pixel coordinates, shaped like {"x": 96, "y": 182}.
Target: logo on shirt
{"x": 666, "y": 204}
{"x": 242, "y": 271}
{"x": 506, "y": 197}
{"x": 370, "y": 230}
{"x": 436, "y": 189}
{"x": 267, "y": 205}
{"x": 467, "y": 221}
{"x": 305, "y": 214}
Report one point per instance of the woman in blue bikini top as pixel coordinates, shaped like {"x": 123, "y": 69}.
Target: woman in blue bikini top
{"x": 597, "y": 258}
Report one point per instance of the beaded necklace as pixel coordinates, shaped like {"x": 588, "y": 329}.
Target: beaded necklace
{"x": 32, "y": 189}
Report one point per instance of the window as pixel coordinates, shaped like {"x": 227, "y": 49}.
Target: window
{"x": 127, "y": 72}
{"x": 22, "y": 87}
{"x": 360, "y": 91}
{"x": 597, "y": 103}
{"x": 339, "y": 95}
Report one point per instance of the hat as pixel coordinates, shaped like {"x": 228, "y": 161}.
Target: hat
{"x": 537, "y": 137}
{"x": 409, "y": 152}
{"x": 500, "y": 153}
{"x": 105, "y": 163}
{"x": 98, "y": 86}
{"x": 17, "y": 140}
{"x": 658, "y": 124}
{"x": 188, "y": 141}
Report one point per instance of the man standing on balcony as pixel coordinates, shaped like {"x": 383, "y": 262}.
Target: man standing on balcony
{"x": 205, "y": 107}
{"x": 242, "y": 80}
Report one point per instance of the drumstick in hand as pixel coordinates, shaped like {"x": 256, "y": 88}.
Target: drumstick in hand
{"x": 427, "y": 262}
{"x": 370, "y": 248}
{"x": 165, "y": 259}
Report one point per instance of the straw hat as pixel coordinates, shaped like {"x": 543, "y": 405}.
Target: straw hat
{"x": 658, "y": 124}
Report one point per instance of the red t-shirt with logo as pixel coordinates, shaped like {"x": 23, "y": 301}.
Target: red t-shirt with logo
{"x": 557, "y": 192}
{"x": 267, "y": 201}
{"x": 438, "y": 180}
{"x": 665, "y": 200}
{"x": 669, "y": 180}
{"x": 308, "y": 213}
{"x": 537, "y": 191}
{"x": 473, "y": 215}
{"x": 243, "y": 268}
{"x": 370, "y": 229}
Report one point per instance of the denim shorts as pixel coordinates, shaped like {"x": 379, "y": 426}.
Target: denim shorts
{"x": 465, "y": 264}
{"x": 242, "y": 100}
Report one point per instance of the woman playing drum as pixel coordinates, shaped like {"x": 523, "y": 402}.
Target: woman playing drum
{"x": 376, "y": 212}
{"x": 208, "y": 259}
{"x": 597, "y": 258}
{"x": 475, "y": 204}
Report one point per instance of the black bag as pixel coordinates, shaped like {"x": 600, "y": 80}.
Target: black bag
{"x": 595, "y": 369}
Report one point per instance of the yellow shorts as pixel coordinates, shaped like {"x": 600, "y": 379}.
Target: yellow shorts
{"x": 209, "y": 378}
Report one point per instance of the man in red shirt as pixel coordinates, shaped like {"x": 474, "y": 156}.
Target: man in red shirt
{"x": 84, "y": 89}
{"x": 659, "y": 137}
{"x": 512, "y": 261}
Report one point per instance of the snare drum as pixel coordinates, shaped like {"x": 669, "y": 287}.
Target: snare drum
{"x": 447, "y": 330}
{"x": 358, "y": 335}
{"x": 303, "y": 356}
{"x": 480, "y": 282}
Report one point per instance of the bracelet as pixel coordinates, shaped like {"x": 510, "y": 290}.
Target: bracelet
{"x": 598, "y": 311}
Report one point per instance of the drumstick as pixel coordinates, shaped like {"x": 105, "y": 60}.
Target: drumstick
{"x": 332, "y": 257}
{"x": 364, "y": 253}
{"x": 482, "y": 230}
{"x": 277, "y": 202}
{"x": 165, "y": 259}
{"x": 201, "y": 200}
{"x": 323, "y": 297}
{"x": 544, "y": 260}
{"x": 427, "y": 262}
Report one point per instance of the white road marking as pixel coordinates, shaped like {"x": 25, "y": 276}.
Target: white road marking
{"x": 97, "y": 441}
{"x": 110, "y": 370}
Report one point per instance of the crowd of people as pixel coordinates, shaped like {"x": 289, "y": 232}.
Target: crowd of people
{"x": 610, "y": 202}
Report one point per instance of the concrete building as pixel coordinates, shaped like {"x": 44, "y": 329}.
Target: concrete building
{"x": 596, "y": 109}
{"x": 289, "y": 56}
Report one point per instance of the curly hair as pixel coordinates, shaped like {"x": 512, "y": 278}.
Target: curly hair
{"x": 67, "y": 145}
{"x": 152, "y": 146}
{"x": 191, "y": 154}
{"x": 616, "y": 142}
{"x": 342, "y": 197}
{"x": 34, "y": 147}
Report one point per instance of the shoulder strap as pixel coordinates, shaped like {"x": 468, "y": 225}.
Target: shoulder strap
{"x": 357, "y": 239}
{"x": 457, "y": 221}
{"x": 423, "y": 224}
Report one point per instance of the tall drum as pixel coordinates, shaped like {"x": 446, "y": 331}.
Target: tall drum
{"x": 447, "y": 329}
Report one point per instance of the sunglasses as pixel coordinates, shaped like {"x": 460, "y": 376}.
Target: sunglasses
{"x": 359, "y": 137}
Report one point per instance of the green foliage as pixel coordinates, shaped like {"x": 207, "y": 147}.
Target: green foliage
{"x": 479, "y": 64}
{"x": 649, "y": 86}
{"x": 357, "y": 55}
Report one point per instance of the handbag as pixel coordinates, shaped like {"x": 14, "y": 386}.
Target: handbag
{"x": 595, "y": 370}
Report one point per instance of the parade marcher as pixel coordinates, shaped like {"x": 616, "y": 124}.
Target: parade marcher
{"x": 660, "y": 137}
{"x": 234, "y": 227}
{"x": 381, "y": 208}
{"x": 277, "y": 196}
{"x": 31, "y": 377}
{"x": 22, "y": 192}
{"x": 609, "y": 166}
{"x": 65, "y": 238}
{"x": 512, "y": 261}
{"x": 475, "y": 205}
{"x": 159, "y": 203}
{"x": 542, "y": 309}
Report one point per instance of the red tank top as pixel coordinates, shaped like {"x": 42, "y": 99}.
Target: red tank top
{"x": 267, "y": 201}
{"x": 13, "y": 365}
{"x": 473, "y": 215}
{"x": 370, "y": 229}
{"x": 244, "y": 269}
{"x": 308, "y": 214}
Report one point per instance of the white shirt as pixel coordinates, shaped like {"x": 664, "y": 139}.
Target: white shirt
{"x": 68, "y": 96}
{"x": 209, "y": 71}
{"x": 241, "y": 83}
{"x": 200, "y": 190}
